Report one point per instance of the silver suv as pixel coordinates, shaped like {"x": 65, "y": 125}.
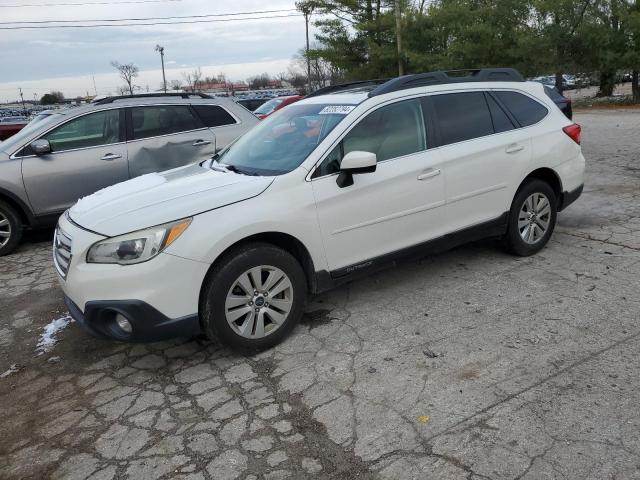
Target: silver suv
{"x": 49, "y": 165}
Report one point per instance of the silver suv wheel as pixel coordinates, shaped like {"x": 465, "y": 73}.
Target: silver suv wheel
{"x": 5, "y": 230}
{"x": 259, "y": 302}
{"x": 534, "y": 218}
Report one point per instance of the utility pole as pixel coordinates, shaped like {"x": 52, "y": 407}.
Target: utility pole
{"x": 307, "y": 8}
{"x": 398, "y": 12}
{"x": 22, "y": 98}
{"x": 164, "y": 79}
{"x": 95, "y": 89}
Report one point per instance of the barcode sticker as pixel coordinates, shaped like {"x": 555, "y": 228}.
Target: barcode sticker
{"x": 336, "y": 109}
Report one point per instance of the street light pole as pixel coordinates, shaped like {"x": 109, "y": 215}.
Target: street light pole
{"x": 24, "y": 109}
{"x": 164, "y": 79}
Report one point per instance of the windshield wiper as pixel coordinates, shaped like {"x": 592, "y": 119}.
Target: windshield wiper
{"x": 235, "y": 169}
{"x": 223, "y": 167}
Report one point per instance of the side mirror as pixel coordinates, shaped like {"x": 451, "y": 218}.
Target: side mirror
{"x": 354, "y": 163}
{"x": 41, "y": 146}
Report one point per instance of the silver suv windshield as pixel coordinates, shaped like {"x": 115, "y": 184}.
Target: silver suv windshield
{"x": 283, "y": 141}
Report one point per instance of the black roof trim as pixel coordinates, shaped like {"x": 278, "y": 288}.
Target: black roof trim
{"x": 444, "y": 77}
{"x": 343, "y": 87}
{"x": 105, "y": 100}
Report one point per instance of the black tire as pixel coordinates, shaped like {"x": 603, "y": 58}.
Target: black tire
{"x": 225, "y": 273}
{"x": 14, "y": 226}
{"x": 512, "y": 240}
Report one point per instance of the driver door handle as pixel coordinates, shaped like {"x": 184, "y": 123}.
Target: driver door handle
{"x": 111, "y": 156}
{"x": 200, "y": 143}
{"x": 429, "y": 173}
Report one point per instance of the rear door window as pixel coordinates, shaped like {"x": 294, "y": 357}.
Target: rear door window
{"x": 154, "y": 121}
{"x": 214, "y": 115}
{"x": 462, "y": 116}
{"x": 525, "y": 109}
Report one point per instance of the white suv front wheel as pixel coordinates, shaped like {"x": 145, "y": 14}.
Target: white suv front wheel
{"x": 253, "y": 297}
{"x": 532, "y": 218}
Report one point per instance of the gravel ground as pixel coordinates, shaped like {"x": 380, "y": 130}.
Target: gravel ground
{"x": 470, "y": 365}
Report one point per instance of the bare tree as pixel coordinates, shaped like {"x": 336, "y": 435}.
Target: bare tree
{"x": 259, "y": 81}
{"x": 175, "y": 85}
{"x": 193, "y": 79}
{"x": 323, "y": 72}
{"x": 127, "y": 71}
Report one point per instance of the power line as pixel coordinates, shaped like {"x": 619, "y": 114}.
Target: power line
{"x": 84, "y": 4}
{"x": 38, "y": 27}
{"x": 149, "y": 18}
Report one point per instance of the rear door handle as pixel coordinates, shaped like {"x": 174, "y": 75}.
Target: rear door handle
{"x": 111, "y": 156}
{"x": 430, "y": 173}
{"x": 514, "y": 148}
{"x": 200, "y": 143}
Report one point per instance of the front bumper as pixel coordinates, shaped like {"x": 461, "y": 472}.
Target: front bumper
{"x": 99, "y": 320}
{"x": 159, "y": 298}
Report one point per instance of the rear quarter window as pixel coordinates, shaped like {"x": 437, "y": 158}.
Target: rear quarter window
{"x": 214, "y": 115}
{"x": 525, "y": 110}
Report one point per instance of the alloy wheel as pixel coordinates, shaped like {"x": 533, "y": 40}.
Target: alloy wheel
{"x": 534, "y": 218}
{"x": 259, "y": 301}
{"x": 5, "y": 230}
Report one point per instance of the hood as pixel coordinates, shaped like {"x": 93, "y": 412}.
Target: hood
{"x": 158, "y": 198}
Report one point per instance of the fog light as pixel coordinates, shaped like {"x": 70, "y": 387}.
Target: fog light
{"x": 123, "y": 323}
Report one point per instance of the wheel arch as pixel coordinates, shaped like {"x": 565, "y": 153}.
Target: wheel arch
{"x": 23, "y": 210}
{"x": 549, "y": 176}
{"x": 287, "y": 242}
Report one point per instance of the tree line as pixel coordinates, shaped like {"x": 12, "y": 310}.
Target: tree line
{"x": 365, "y": 39}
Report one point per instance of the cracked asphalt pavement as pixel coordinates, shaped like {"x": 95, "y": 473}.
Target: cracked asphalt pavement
{"x": 470, "y": 365}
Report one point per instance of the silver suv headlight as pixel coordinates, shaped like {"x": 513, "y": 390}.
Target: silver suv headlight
{"x": 137, "y": 247}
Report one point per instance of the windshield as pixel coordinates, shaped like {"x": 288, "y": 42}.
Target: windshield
{"x": 268, "y": 107}
{"x": 283, "y": 141}
{"x": 16, "y": 141}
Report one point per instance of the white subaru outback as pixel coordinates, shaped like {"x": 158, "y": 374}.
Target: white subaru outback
{"x": 347, "y": 180}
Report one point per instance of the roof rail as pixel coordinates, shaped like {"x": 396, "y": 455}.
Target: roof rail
{"x": 346, "y": 86}
{"x": 450, "y": 76}
{"x": 102, "y": 101}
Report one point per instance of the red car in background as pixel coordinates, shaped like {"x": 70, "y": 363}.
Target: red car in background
{"x": 11, "y": 125}
{"x": 266, "y": 109}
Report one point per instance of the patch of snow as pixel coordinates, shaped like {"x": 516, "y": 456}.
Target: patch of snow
{"x": 12, "y": 369}
{"x": 113, "y": 192}
{"x": 48, "y": 338}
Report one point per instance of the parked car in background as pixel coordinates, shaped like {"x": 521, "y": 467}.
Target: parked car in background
{"x": 38, "y": 117}
{"x": 72, "y": 153}
{"x": 275, "y": 104}
{"x": 563, "y": 103}
{"x": 9, "y": 126}
{"x": 340, "y": 184}
{"x": 568, "y": 81}
{"x": 252, "y": 104}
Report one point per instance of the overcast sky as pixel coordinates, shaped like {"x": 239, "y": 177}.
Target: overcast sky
{"x": 41, "y": 60}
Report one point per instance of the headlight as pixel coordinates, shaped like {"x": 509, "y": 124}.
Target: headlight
{"x": 136, "y": 247}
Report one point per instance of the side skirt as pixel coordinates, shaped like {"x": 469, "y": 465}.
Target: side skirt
{"x": 493, "y": 228}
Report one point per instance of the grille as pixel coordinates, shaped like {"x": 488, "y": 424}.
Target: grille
{"x": 61, "y": 252}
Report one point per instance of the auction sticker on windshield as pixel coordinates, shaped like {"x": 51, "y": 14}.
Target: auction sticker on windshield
{"x": 336, "y": 109}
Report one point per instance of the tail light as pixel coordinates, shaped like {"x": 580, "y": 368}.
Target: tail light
{"x": 574, "y": 131}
